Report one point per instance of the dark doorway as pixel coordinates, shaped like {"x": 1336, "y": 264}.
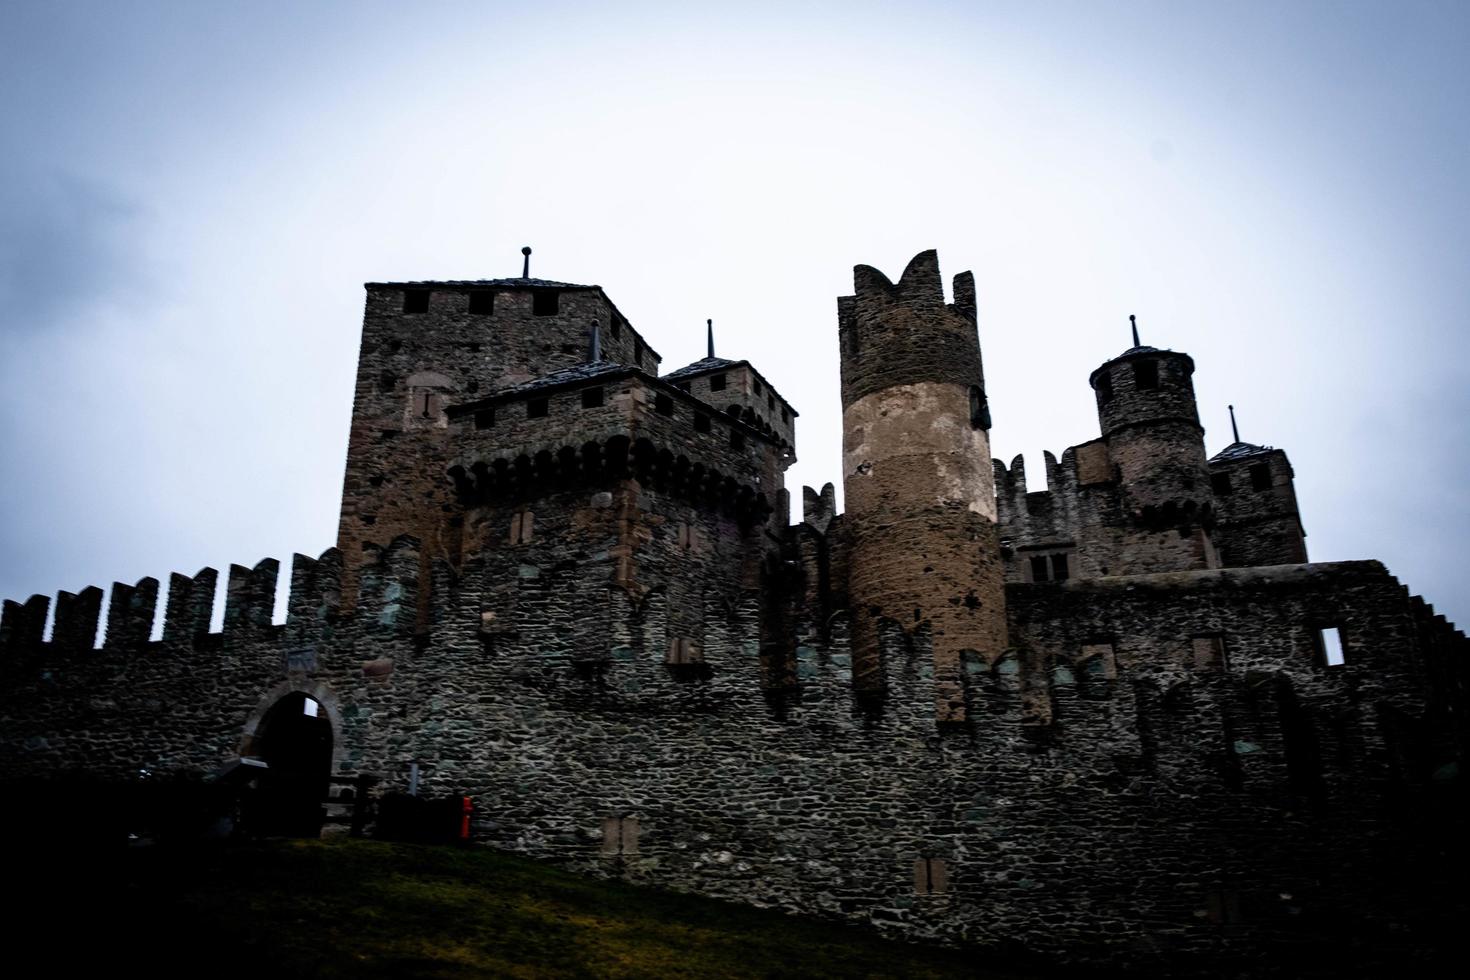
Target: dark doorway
{"x": 294, "y": 740}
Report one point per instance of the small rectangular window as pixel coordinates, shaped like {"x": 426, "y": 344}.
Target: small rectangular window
{"x": 485, "y": 418}
{"x": 1209, "y": 653}
{"x": 592, "y": 397}
{"x": 1105, "y": 388}
{"x": 1220, "y": 483}
{"x": 521, "y": 525}
{"x": 415, "y": 301}
{"x": 1260, "y": 476}
{"x": 1329, "y": 647}
{"x": 1059, "y": 568}
{"x": 538, "y": 408}
{"x": 755, "y": 384}
{"x": 663, "y": 404}
{"x": 737, "y": 438}
{"x": 701, "y": 422}
{"x": 1146, "y": 374}
{"x": 931, "y": 876}
{"x": 637, "y": 352}
{"x": 619, "y": 836}
{"x": 785, "y": 417}
{"x": 482, "y": 302}
{"x": 617, "y": 328}
{"x": 1038, "y": 568}
{"x": 770, "y": 402}
{"x": 684, "y": 537}
{"x": 545, "y": 302}
{"x": 683, "y": 650}
{"x": 717, "y": 382}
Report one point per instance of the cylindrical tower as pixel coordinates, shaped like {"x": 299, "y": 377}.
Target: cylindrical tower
{"x": 920, "y": 494}
{"x": 1146, "y": 408}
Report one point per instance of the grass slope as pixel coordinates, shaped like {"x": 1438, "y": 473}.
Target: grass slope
{"x": 364, "y": 909}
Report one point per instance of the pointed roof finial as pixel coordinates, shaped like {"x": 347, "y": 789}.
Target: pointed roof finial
{"x": 594, "y": 344}
{"x": 1133, "y": 320}
{"x": 709, "y": 326}
{"x": 1235, "y": 429}
{"x": 526, "y": 267}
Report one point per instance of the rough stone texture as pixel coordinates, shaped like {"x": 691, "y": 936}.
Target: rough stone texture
{"x": 622, "y": 652}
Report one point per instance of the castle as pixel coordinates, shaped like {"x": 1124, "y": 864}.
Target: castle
{"x": 1121, "y": 720}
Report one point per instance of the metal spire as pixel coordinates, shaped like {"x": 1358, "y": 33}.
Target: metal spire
{"x": 709, "y": 326}
{"x": 1134, "y": 321}
{"x": 1233, "y": 427}
{"x": 594, "y": 346}
{"x": 526, "y": 268}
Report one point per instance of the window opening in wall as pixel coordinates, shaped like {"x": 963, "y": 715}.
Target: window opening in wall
{"x": 1146, "y": 374}
{"x": 683, "y": 650}
{"x": 701, "y": 422}
{"x": 617, "y": 328}
{"x": 1038, "y": 568}
{"x": 415, "y": 301}
{"x": 770, "y": 401}
{"x": 737, "y": 439}
{"x": 663, "y": 404}
{"x": 521, "y": 525}
{"x": 755, "y": 384}
{"x": 545, "y": 302}
{"x": 1220, "y": 483}
{"x": 538, "y": 408}
{"x": 485, "y": 418}
{"x": 785, "y": 417}
{"x": 482, "y": 302}
{"x": 619, "y": 836}
{"x": 1222, "y": 907}
{"x": 592, "y": 397}
{"x": 426, "y": 404}
{"x": 1209, "y": 652}
{"x": 717, "y": 382}
{"x": 931, "y": 876}
{"x": 979, "y": 409}
{"x": 684, "y": 536}
{"x": 1105, "y": 388}
{"x": 1059, "y": 568}
{"x": 1260, "y": 476}
{"x": 1329, "y": 647}
{"x": 637, "y": 351}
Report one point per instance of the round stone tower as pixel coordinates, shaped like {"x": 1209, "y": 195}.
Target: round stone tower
{"x": 919, "y": 487}
{"x": 1146, "y": 408}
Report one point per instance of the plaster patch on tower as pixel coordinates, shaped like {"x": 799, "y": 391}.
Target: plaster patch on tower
{"x": 920, "y": 433}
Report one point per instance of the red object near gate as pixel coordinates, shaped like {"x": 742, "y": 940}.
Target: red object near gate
{"x": 466, "y": 805}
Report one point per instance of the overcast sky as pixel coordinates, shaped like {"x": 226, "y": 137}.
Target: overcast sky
{"x": 192, "y": 194}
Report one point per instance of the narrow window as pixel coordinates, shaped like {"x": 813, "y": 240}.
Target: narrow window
{"x": 619, "y": 836}
{"x": 485, "y": 418}
{"x": 592, "y": 397}
{"x": 684, "y": 537}
{"x": 737, "y": 439}
{"x": 1038, "y": 568}
{"x": 756, "y": 386}
{"x": 1329, "y": 647}
{"x": 1105, "y": 388}
{"x": 482, "y": 302}
{"x": 663, "y": 404}
{"x": 538, "y": 408}
{"x": 979, "y": 409}
{"x": 1146, "y": 374}
{"x": 1220, "y": 483}
{"x": 1260, "y": 476}
{"x": 717, "y": 382}
{"x": 770, "y": 402}
{"x": 785, "y": 417}
{"x": 1209, "y": 653}
{"x": 1059, "y": 568}
{"x": 521, "y": 525}
{"x": 617, "y": 328}
{"x": 415, "y": 301}
{"x": 701, "y": 422}
{"x": 545, "y": 302}
{"x": 931, "y": 876}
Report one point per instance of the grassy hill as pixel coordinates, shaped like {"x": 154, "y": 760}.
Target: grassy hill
{"x": 353, "y": 908}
